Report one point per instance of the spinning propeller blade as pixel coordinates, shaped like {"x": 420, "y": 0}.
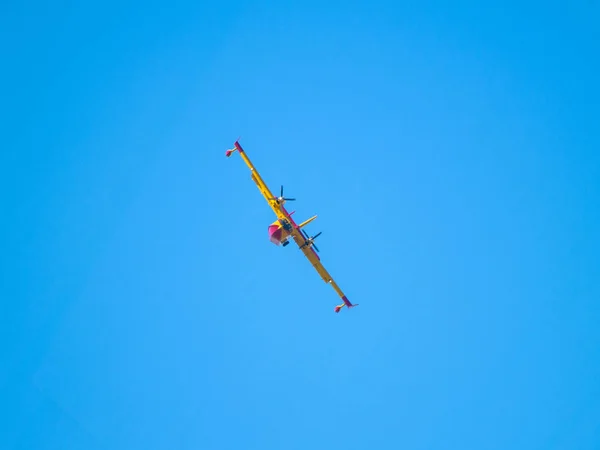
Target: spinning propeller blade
{"x": 281, "y": 197}
{"x": 311, "y": 240}
{"x": 286, "y": 199}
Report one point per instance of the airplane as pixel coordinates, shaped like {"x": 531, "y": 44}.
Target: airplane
{"x": 284, "y": 228}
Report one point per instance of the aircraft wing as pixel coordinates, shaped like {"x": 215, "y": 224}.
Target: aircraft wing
{"x": 311, "y": 254}
{"x": 262, "y": 186}
{"x": 264, "y": 190}
{"x": 314, "y": 259}
{"x": 295, "y": 230}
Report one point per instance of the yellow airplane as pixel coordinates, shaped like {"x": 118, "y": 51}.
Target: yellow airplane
{"x": 285, "y": 228}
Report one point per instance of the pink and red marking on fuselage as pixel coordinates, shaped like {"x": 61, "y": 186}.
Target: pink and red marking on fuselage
{"x": 276, "y": 231}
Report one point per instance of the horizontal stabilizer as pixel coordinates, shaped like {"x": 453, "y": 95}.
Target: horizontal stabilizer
{"x": 306, "y": 222}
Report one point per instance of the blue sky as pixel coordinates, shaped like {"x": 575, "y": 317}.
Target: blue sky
{"x": 450, "y": 151}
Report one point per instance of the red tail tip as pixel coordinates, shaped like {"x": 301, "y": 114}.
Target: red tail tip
{"x": 228, "y": 153}
{"x": 338, "y": 308}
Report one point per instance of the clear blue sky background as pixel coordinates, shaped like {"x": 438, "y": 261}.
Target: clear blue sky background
{"x": 450, "y": 149}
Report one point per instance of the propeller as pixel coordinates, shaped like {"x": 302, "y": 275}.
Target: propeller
{"x": 282, "y": 198}
{"x": 311, "y": 240}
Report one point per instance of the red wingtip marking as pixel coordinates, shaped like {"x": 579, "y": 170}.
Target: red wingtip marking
{"x": 238, "y": 147}
{"x": 347, "y": 302}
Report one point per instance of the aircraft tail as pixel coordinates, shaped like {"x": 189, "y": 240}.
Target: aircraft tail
{"x": 306, "y": 222}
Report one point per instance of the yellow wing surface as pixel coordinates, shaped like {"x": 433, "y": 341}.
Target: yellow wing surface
{"x": 295, "y": 231}
{"x": 314, "y": 259}
{"x": 262, "y": 186}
